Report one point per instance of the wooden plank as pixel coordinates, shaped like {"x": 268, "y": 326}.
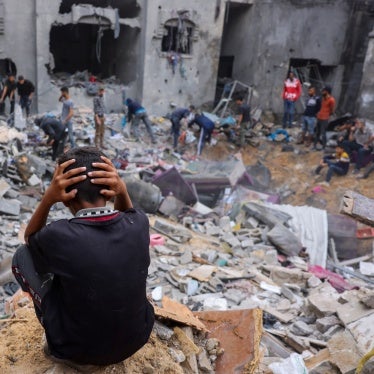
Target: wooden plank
{"x": 177, "y": 312}
{"x": 282, "y": 317}
{"x": 322, "y": 356}
{"x": 358, "y": 206}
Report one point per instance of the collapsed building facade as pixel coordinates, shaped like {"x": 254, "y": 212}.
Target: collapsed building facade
{"x": 165, "y": 52}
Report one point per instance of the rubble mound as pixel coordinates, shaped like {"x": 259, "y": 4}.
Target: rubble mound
{"x": 21, "y": 351}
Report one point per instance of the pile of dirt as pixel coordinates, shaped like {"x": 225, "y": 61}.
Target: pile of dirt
{"x": 21, "y": 351}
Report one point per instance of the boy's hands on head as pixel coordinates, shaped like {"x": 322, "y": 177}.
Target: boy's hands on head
{"x": 107, "y": 176}
{"x": 56, "y": 192}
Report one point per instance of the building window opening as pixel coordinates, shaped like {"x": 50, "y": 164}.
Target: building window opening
{"x": 177, "y": 36}
{"x": 83, "y": 47}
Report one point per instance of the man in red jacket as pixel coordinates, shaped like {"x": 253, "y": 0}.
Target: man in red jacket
{"x": 291, "y": 93}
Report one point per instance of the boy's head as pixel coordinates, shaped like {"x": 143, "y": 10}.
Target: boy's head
{"x": 239, "y": 99}
{"x": 84, "y": 156}
{"x": 339, "y": 149}
{"x": 64, "y": 91}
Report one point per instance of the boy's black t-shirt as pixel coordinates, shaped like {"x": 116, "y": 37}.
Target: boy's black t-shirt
{"x": 97, "y": 311}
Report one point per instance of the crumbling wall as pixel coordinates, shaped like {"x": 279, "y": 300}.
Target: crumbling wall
{"x": 265, "y": 36}
{"x": 194, "y": 78}
{"x": 17, "y": 42}
{"x": 366, "y": 100}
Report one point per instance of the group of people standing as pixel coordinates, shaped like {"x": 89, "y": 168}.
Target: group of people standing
{"x": 23, "y": 87}
{"x": 317, "y": 113}
{"x": 355, "y": 143}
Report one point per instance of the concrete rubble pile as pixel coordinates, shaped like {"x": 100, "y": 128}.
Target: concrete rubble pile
{"x": 223, "y": 248}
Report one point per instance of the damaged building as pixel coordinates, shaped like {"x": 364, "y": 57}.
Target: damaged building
{"x": 172, "y": 52}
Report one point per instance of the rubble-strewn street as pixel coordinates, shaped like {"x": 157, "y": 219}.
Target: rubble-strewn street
{"x": 243, "y": 238}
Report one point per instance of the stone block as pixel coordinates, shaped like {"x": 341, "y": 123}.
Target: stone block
{"x": 213, "y": 230}
{"x": 300, "y": 328}
{"x": 162, "y": 331}
{"x": 11, "y": 207}
{"x": 234, "y": 295}
{"x": 225, "y": 224}
{"x": 204, "y": 363}
{"x": 325, "y": 323}
{"x": 215, "y": 303}
{"x": 247, "y": 243}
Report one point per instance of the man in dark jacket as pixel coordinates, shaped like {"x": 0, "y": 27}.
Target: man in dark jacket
{"x": 9, "y": 91}
{"x": 312, "y": 107}
{"x": 56, "y": 132}
{"x": 137, "y": 113}
{"x": 87, "y": 275}
{"x": 176, "y": 117}
{"x": 206, "y": 128}
{"x": 25, "y": 92}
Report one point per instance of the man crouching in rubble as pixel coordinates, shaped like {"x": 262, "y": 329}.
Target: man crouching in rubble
{"x": 87, "y": 275}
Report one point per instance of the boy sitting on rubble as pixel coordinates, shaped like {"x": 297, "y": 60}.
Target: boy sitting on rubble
{"x": 87, "y": 275}
{"x": 337, "y": 163}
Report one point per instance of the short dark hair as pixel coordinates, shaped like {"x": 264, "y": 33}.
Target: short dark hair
{"x": 21, "y": 77}
{"x": 239, "y": 98}
{"x": 192, "y": 107}
{"x": 327, "y": 89}
{"x": 64, "y": 89}
{"x": 84, "y": 156}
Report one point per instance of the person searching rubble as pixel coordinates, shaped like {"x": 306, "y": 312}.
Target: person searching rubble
{"x": 67, "y": 113}
{"x": 206, "y": 127}
{"x": 176, "y": 118}
{"x": 243, "y": 118}
{"x": 56, "y": 132}
{"x": 137, "y": 113}
{"x": 9, "y": 90}
{"x": 87, "y": 275}
{"x": 337, "y": 163}
{"x": 99, "y": 116}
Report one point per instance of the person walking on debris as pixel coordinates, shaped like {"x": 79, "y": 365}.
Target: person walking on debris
{"x": 312, "y": 107}
{"x": 206, "y": 128}
{"x": 56, "y": 132}
{"x": 291, "y": 93}
{"x": 176, "y": 117}
{"x": 99, "y": 110}
{"x": 67, "y": 113}
{"x": 26, "y": 91}
{"x": 243, "y": 118}
{"x": 337, "y": 164}
{"x": 360, "y": 140}
{"x": 327, "y": 109}
{"x": 87, "y": 275}
{"x": 9, "y": 91}
{"x": 136, "y": 111}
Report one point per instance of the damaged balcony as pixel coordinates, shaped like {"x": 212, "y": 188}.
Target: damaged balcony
{"x": 94, "y": 40}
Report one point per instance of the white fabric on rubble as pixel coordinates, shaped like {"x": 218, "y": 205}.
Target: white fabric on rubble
{"x": 310, "y": 226}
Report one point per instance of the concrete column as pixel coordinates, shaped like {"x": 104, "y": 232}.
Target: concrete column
{"x": 366, "y": 94}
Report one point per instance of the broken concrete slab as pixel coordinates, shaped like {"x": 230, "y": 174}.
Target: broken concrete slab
{"x": 285, "y": 240}
{"x": 351, "y": 309}
{"x": 301, "y": 328}
{"x": 325, "y": 323}
{"x": 171, "y": 206}
{"x": 239, "y": 332}
{"x": 363, "y": 331}
{"x": 9, "y": 206}
{"x": 171, "y": 182}
{"x": 4, "y": 187}
{"x": 343, "y": 352}
{"x": 203, "y": 273}
{"x": 324, "y": 300}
